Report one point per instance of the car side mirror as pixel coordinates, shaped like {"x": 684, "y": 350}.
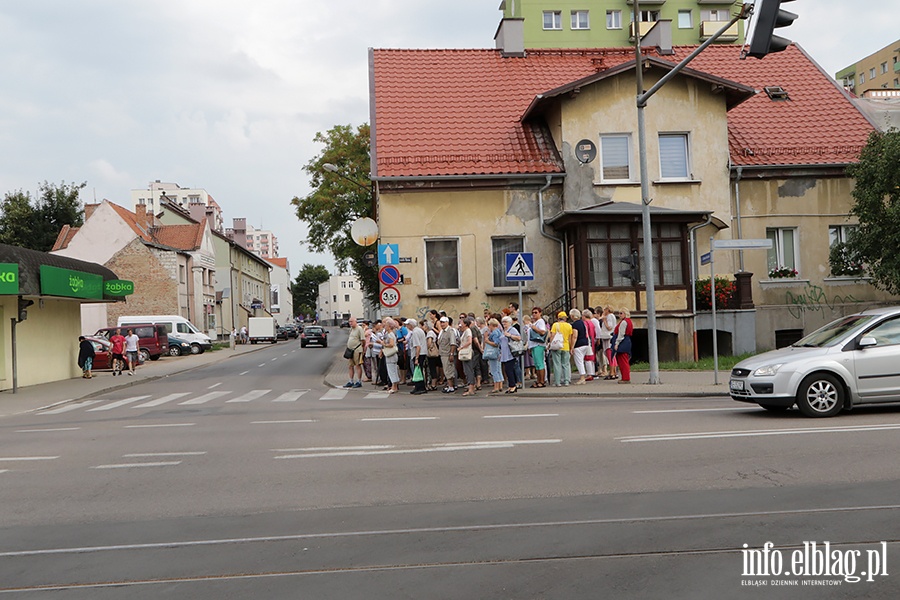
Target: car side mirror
{"x": 867, "y": 342}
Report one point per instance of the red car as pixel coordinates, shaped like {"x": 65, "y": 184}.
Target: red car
{"x": 102, "y": 353}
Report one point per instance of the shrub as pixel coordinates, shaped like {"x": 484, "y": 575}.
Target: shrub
{"x": 725, "y": 289}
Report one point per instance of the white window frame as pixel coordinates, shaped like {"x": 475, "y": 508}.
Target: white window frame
{"x": 839, "y": 233}
{"x": 872, "y": 73}
{"x": 555, "y": 20}
{"x": 690, "y": 19}
{"x": 501, "y": 282}
{"x": 862, "y": 77}
{"x": 777, "y": 251}
{"x": 687, "y": 156}
{"x": 577, "y": 22}
{"x": 456, "y": 241}
{"x": 715, "y": 14}
{"x": 614, "y": 19}
{"x": 610, "y": 136}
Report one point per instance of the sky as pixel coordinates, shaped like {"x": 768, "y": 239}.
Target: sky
{"x": 228, "y": 96}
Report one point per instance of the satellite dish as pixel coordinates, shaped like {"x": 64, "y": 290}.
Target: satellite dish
{"x": 364, "y": 231}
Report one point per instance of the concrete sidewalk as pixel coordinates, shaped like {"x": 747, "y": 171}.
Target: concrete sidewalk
{"x": 673, "y": 384}
{"x": 35, "y": 397}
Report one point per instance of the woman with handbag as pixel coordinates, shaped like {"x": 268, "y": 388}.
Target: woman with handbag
{"x": 492, "y": 354}
{"x": 434, "y": 355}
{"x": 623, "y": 345}
{"x": 507, "y": 358}
{"x": 466, "y": 355}
{"x": 390, "y": 351}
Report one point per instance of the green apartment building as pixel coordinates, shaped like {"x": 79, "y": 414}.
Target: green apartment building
{"x": 609, "y": 24}
{"x": 875, "y": 76}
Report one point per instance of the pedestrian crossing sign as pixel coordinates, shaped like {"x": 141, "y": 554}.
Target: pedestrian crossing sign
{"x": 520, "y": 266}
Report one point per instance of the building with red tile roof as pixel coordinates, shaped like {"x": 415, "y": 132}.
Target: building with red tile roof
{"x": 476, "y": 153}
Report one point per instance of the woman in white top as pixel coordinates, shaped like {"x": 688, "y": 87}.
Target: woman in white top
{"x": 607, "y": 325}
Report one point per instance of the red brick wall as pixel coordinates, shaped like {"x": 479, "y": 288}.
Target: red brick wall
{"x": 155, "y": 282}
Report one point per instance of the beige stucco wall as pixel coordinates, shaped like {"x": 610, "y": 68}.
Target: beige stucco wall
{"x": 47, "y": 342}
{"x": 473, "y": 217}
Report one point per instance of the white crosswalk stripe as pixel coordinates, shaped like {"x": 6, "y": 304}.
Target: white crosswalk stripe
{"x": 204, "y": 398}
{"x": 250, "y": 396}
{"x": 68, "y": 407}
{"x": 377, "y": 395}
{"x": 290, "y": 396}
{"x": 334, "y": 394}
{"x": 163, "y": 400}
{"x": 118, "y": 403}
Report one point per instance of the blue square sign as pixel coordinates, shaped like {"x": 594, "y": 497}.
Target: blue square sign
{"x": 520, "y": 266}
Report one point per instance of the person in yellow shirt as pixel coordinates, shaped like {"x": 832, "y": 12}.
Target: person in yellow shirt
{"x": 560, "y": 356}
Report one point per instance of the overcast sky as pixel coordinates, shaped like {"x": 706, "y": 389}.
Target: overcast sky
{"x": 227, "y": 96}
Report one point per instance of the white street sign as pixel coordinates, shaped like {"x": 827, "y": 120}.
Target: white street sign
{"x": 741, "y": 244}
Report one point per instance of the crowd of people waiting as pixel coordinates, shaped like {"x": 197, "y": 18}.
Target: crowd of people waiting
{"x": 438, "y": 353}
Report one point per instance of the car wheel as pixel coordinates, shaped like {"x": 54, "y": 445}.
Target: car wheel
{"x": 775, "y": 408}
{"x": 303, "y": 344}
{"x": 196, "y": 349}
{"x": 144, "y": 355}
{"x": 820, "y": 395}
{"x": 324, "y": 344}
{"x": 174, "y": 351}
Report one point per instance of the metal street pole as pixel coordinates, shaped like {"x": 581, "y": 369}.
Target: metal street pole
{"x": 642, "y": 98}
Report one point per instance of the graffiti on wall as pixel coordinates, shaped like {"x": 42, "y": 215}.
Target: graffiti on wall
{"x": 812, "y": 299}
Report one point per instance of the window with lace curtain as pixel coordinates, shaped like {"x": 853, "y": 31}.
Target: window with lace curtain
{"x": 608, "y": 244}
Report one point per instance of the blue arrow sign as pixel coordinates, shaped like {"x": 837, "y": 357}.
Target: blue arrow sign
{"x": 388, "y": 254}
{"x": 520, "y": 266}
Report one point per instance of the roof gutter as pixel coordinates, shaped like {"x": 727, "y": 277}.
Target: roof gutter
{"x": 463, "y": 177}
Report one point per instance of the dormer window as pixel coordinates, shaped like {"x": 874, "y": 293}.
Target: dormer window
{"x": 776, "y": 92}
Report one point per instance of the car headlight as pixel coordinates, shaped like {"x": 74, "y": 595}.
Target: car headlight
{"x": 767, "y": 371}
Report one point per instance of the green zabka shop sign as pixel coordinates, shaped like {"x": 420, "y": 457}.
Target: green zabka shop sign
{"x": 118, "y": 287}
{"x": 70, "y": 284}
{"x": 9, "y": 278}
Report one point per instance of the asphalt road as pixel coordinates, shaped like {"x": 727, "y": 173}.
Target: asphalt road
{"x": 250, "y": 478}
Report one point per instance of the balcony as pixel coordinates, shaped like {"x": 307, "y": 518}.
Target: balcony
{"x": 645, "y": 27}
{"x": 708, "y": 28}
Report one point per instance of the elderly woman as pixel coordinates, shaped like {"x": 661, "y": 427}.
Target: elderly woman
{"x": 622, "y": 349}
{"x": 581, "y": 345}
{"x": 507, "y": 358}
{"x": 391, "y": 352}
{"x": 492, "y": 343}
{"x": 607, "y": 325}
{"x": 589, "y": 358}
{"x": 467, "y": 354}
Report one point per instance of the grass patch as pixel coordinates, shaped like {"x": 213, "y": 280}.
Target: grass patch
{"x": 219, "y": 346}
{"x": 704, "y": 364}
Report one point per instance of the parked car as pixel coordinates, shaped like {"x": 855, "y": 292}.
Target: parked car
{"x": 292, "y": 330}
{"x": 102, "y": 352}
{"x": 179, "y": 346}
{"x": 281, "y": 333}
{"x": 851, "y": 361}
{"x": 314, "y": 334}
{"x": 154, "y": 341}
{"x": 345, "y": 323}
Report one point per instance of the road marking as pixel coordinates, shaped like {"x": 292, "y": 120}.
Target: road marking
{"x": 377, "y": 395}
{"x": 285, "y": 354}
{"x": 334, "y": 394}
{"x": 149, "y": 454}
{"x": 47, "y": 430}
{"x": 447, "y": 447}
{"x": 332, "y": 448}
{"x": 250, "y": 396}
{"x": 686, "y": 410}
{"x": 160, "y": 425}
{"x": 290, "y": 396}
{"x": 68, "y": 407}
{"x": 4, "y": 470}
{"x": 262, "y": 365}
{"x": 709, "y": 435}
{"x": 216, "y": 385}
{"x": 118, "y": 403}
{"x": 26, "y": 458}
{"x": 286, "y": 421}
{"x": 163, "y": 400}
{"x": 244, "y": 373}
{"x": 170, "y": 463}
{"x": 204, "y": 398}
{"x": 274, "y": 359}
{"x": 520, "y": 416}
{"x": 399, "y": 419}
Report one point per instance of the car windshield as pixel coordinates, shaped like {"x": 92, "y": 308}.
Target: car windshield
{"x": 313, "y": 330}
{"x": 832, "y": 333}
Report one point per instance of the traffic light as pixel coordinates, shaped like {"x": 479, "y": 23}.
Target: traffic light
{"x": 768, "y": 16}
{"x": 632, "y": 272}
{"x": 23, "y": 308}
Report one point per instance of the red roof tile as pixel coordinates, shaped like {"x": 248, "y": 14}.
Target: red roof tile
{"x": 279, "y": 261}
{"x": 458, "y": 112}
{"x": 180, "y": 237}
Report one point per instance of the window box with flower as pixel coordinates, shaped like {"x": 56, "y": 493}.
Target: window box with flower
{"x": 783, "y": 273}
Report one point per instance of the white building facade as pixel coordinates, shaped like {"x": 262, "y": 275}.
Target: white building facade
{"x": 339, "y": 298}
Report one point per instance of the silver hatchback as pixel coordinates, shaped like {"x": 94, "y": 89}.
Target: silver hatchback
{"x": 851, "y": 361}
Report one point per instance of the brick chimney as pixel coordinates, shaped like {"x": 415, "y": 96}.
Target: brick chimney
{"x": 143, "y": 219}
{"x": 89, "y": 210}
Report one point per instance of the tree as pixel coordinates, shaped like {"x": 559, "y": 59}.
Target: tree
{"x": 338, "y": 199}
{"x": 305, "y": 288}
{"x": 877, "y": 193}
{"x": 35, "y": 223}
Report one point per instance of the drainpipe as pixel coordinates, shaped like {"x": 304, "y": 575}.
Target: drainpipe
{"x": 562, "y": 244}
{"x": 737, "y": 202}
{"x": 693, "y": 248}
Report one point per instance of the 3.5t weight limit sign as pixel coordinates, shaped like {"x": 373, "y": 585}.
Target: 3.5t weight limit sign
{"x": 390, "y": 296}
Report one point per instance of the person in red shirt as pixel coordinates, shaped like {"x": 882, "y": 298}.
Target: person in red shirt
{"x": 118, "y": 352}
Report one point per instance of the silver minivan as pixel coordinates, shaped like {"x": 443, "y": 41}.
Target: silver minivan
{"x": 851, "y": 361}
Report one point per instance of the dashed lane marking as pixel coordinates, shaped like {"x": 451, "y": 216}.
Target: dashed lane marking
{"x": 170, "y": 463}
{"x": 47, "y": 430}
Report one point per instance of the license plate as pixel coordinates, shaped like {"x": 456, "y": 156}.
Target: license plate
{"x": 736, "y": 384}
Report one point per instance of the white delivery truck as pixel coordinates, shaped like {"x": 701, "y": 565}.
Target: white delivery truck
{"x": 176, "y": 326}
{"x": 262, "y": 329}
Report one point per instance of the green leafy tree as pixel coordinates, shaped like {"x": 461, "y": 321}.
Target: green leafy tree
{"x": 305, "y": 288}
{"x": 35, "y": 222}
{"x": 338, "y": 199}
{"x": 877, "y": 194}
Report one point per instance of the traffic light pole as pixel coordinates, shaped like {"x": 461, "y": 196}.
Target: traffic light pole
{"x": 642, "y": 98}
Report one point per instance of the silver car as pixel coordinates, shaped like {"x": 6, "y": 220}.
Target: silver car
{"x": 853, "y": 360}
